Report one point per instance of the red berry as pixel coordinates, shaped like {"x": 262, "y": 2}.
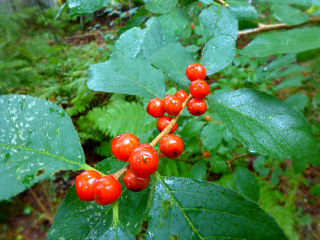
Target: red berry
{"x": 206, "y": 154}
{"x": 123, "y": 145}
{"x": 172, "y": 104}
{"x": 84, "y": 184}
{"x": 106, "y": 190}
{"x": 195, "y": 71}
{"x": 199, "y": 89}
{"x": 171, "y": 146}
{"x": 182, "y": 95}
{"x": 163, "y": 122}
{"x": 207, "y": 118}
{"x": 191, "y": 26}
{"x": 146, "y": 145}
{"x": 200, "y": 4}
{"x": 161, "y": 155}
{"x": 144, "y": 161}
{"x": 155, "y": 108}
{"x": 197, "y": 107}
{"x": 133, "y": 182}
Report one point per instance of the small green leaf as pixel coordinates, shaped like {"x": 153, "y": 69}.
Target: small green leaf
{"x": 217, "y": 21}
{"x": 37, "y": 139}
{"x": 299, "y": 164}
{"x": 264, "y": 124}
{"x": 127, "y": 75}
{"x": 218, "y": 165}
{"x": 140, "y": 43}
{"x": 289, "y": 15}
{"x": 246, "y": 183}
{"x": 198, "y": 171}
{"x": 173, "y": 24}
{"x": 245, "y": 13}
{"x": 191, "y": 128}
{"x": 283, "y": 42}
{"x": 173, "y": 59}
{"x": 187, "y": 209}
{"x": 295, "y": 81}
{"x": 192, "y": 145}
{"x": 218, "y": 53}
{"x": 160, "y": 6}
{"x": 274, "y": 178}
{"x": 259, "y": 163}
{"x": 84, "y": 7}
{"x": 211, "y": 136}
{"x": 298, "y": 101}
{"x": 90, "y": 220}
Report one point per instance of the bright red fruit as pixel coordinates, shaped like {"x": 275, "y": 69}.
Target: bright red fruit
{"x": 133, "y": 182}
{"x": 155, "y": 107}
{"x": 172, "y": 104}
{"x": 123, "y": 145}
{"x": 182, "y": 95}
{"x": 199, "y": 89}
{"x": 206, "y": 154}
{"x": 163, "y": 122}
{"x": 84, "y": 184}
{"x": 171, "y": 146}
{"x": 191, "y": 26}
{"x": 196, "y": 71}
{"x": 197, "y": 107}
{"x": 144, "y": 161}
{"x": 106, "y": 190}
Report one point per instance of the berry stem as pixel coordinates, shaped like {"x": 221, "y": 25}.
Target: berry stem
{"x": 165, "y": 131}
{"x": 170, "y": 125}
{"x": 223, "y": 3}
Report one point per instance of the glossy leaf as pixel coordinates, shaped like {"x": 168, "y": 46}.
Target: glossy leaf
{"x": 187, "y": 209}
{"x": 84, "y": 7}
{"x": 246, "y": 183}
{"x": 37, "y": 138}
{"x": 191, "y": 128}
{"x": 173, "y": 24}
{"x": 173, "y": 59}
{"x": 211, "y": 136}
{"x": 160, "y": 6}
{"x": 198, "y": 171}
{"x": 217, "y": 164}
{"x": 217, "y": 21}
{"x": 218, "y": 53}
{"x": 140, "y": 43}
{"x": 127, "y": 75}
{"x": 92, "y": 221}
{"x": 289, "y": 15}
{"x": 245, "y": 13}
{"x": 264, "y": 124}
{"x": 135, "y": 22}
{"x": 283, "y": 42}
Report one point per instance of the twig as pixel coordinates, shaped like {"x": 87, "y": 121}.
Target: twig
{"x": 41, "y": 206}
{"x": 223, "y": 3}
{"x": 265, "y": 28}
{"x": 230, "y": 162}
{"x": 165, "y": 131}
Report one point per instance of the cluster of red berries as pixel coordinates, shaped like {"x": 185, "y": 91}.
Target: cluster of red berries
{"x": 142, "y": 158}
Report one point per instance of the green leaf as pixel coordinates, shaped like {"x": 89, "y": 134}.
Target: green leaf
{"x": 138, "y": 43}
{"x": 90, "y": 220}
{"x": 191, "y": 128}
{"x": 211, "y": 136}
{"x": 61, "y": 9}
{"x": 217, "y": 164}
{"x": 127, "y": 75}
{"x": 299, "y": 164}
{"x": 37, "y": 138}
{"x": 135, "y": 22}
{"x": 259, "y": 163}
{"x": 289, "y": 15}
{"x": 283, "y": 42}
{"x": 187, "y": 209}
{"x": 160, "y": 6}
{"x": 173, "y": 59}
{"x": 298, "y": 101}
{"x": 263, "y": 123}
{"x": 245, "y": 13}
{"x": 274, "y": 178}
{"x": 217, "y": 21}
{"x": 198, "y": 171}
{"x": 173, "y": 24}
{"x": 122, "y": 118}
{"x": 84, "y": 7}
{"x": 295, "y": 81}
{"x": 298, "y": 2}
{"x": 246, "y": 183}
{"x": 218, "y": 53}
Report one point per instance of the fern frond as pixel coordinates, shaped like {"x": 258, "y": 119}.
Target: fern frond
{"x": 124, "y": 118}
